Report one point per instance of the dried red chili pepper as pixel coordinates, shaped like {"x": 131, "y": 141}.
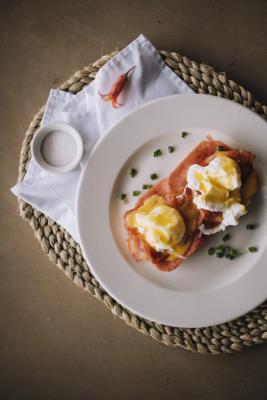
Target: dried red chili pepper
{"x": 116, "y": 89}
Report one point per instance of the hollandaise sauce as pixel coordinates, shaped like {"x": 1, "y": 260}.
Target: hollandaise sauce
{"x": 162, "y": 226}
{"x": 217, "y": 188}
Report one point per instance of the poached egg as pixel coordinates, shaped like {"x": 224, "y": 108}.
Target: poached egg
{"x": 161, "y": 226}
{"x": 216, "y": 187}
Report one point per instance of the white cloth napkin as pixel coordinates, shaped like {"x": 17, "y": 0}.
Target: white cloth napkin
{"x": 54, "y": 195}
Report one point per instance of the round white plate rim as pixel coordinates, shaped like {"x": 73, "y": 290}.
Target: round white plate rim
{"x": 145, "y": 310}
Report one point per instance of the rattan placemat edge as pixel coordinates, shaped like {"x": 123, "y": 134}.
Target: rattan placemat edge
{"x": 63, "y": 251}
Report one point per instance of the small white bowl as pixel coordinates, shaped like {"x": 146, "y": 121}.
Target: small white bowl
{"x": 38, "y": 139}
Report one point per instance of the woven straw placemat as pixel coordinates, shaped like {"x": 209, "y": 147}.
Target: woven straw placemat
{"x": 63, "y": 251}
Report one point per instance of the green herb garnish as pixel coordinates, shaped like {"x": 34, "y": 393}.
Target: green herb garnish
{"x": 136, "y": 192}
{"x": 184, "y": 134}
{"x": 219, "y": 252}
{"x": 226, "y": 248}
{"x": 133, "y": 172}
{"x": 226, "y": 237}
{"x": 252, "y": 249}
{"x": 123, "y": 196}
{"x": 230, "y": 254}
{"x": 211, "y": 251}
{"x": 250, "y": 227}
{"x": 223, "y": 251}
{"x": 154, "y": 176}
{"x": 157, "y": 153}
{"x": 220, "y": 255}
{"x": 220, "y": 148}
{"x": 171, "y": 149}
{"x": 147, "y": 186}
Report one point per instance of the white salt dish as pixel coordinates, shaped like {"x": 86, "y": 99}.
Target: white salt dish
{"x": 57, "y": 147}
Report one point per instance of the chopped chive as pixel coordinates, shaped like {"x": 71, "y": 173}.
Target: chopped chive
{"x": 123, "y": 196}
{"x": 226, "y": 237}
{"x": 223, "y": 251}
{"x": 147, "y": 186}
{"x": 211, "y": 251}
{"x": 251, "y": 226}
{"x": 234, "y": 252}
{"x": 171, "y": 149}
{"x": 136, "y": 192}
{"x": 133, "y": 172}
{"x": 157, "y": 153}
{"x": 252, "y": 249}
{"x": 231, "y": 254}
{"x": 220, "y": 148}
{"x": 219, "y": 252}
{"x": 154, "y": 176}
{"x": 228, "y": 248}
{"x": 184, "y": 134}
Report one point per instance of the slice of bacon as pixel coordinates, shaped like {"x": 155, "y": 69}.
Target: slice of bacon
{"x": 173, "y": 190}
{"x": 210, "y": 219}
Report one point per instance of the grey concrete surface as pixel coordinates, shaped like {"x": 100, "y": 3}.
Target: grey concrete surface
{"x": 57, "y": 342}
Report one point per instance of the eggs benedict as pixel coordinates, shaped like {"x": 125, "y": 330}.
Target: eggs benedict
{"x": 208, "y": 191}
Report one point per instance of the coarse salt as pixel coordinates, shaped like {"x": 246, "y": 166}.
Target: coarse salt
{"x": 58, "y": 148}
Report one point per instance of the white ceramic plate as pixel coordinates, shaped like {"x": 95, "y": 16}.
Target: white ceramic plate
{"x": 204, "y": 290}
